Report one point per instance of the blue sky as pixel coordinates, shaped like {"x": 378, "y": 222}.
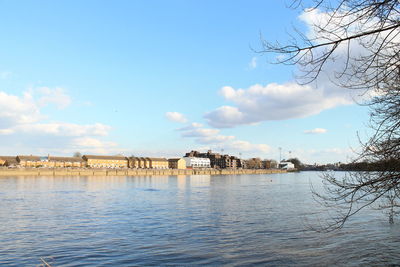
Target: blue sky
{"x": 160, "y": 78}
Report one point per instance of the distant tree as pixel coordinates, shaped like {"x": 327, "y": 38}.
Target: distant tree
{"x": 270, "y": 163}
{"x": 77, "y": 154}
{"x": 361, "y": 38}
{"x": 297, "y": 163}
{"x": 254, "y": 163}
{"x": 274, "y": 164}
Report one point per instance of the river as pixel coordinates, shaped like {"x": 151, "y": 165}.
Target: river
{"x": 237, "y": 220}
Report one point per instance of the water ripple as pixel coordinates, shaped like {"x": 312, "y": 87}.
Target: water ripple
{"x": 169, "y": 221}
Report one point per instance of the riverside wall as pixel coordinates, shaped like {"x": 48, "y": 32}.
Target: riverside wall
{"x": 129, "y": 172}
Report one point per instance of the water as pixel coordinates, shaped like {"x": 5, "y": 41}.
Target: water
{"x": 238, "y": 220}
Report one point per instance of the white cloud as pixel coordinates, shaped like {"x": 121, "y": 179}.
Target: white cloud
{"x": 175, "y": 117}
{"x": 316, "y": 20}
{"x": 55, "y": 96}
{"x": 17, "y": 110}
{"x": 63, "y": 129}
{"x": 213, "y": 138}
{"x": 204, "y": 135}
{"x": 86, "y": 145}
{"x": 253, "y": 63}
{"x": 25, "y": 109}
{"x": 160, "y": 152}
{"x": 24, "y": 129}
{"x": 89, "y": 142}
{"x": 200, "y": 132}
{"x": 192, "y": 126}
{"x": 316, "y": 131}
{"x": 275, "y": 102}
{"x": 225, "y": 117}
{"x": 247, "y": 146}
{"x": 290, "y": 100}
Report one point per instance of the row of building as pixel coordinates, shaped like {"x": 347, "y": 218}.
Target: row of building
{"x": 217, "y": 160}
{"x": 92, "y": 161}
{"x": 193, "y": 159}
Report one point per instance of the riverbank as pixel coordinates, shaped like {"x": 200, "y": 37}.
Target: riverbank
{"x": 128, "y": 172}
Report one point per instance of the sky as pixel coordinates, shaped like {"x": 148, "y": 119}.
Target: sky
{"x": 161, "y": 78}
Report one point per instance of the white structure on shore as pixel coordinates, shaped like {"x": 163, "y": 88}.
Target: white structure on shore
{"x": 193, "y": 162}
{"x": 286, "y": 165}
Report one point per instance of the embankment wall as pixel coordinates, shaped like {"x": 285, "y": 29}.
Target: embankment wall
{"x": 127, "y": 172}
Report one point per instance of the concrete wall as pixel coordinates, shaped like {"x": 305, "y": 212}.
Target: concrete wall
{"x": 126, "y": 172}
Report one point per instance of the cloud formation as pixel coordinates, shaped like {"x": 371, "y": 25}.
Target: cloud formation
{"x": 316, "y": 131}
{"x": 24, "y": 129}
{"x": 175, "y": 117}
{"x": 16, "y": 110}
{"x": 89, "y": 142}
{"x": 55, "y": 96}
{"x": 192, "y": 126}
{"x": 213, "y": 138}
{"x": 61, "y": 129}
{"x": 275, "y": 102}
{"x": 247, "y": 146}
{"x": 290, "y": 100}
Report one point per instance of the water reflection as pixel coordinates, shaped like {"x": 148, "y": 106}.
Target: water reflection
{"x": 180, "y": 220}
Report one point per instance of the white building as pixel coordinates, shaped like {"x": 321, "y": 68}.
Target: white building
{"x": 192, "y": 162}
{"x": 286, "y": 165}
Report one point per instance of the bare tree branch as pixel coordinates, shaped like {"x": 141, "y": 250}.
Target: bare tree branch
{"x": 362, "y": 38}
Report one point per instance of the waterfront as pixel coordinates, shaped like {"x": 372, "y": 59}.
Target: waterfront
{"x": 127, "y": 172}
{"x": 181, "y": 220}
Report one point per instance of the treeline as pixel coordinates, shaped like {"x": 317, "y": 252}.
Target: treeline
{"x": 384, "y": 165}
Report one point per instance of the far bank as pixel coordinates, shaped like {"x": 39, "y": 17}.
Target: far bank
{"x": 130, "y": 172}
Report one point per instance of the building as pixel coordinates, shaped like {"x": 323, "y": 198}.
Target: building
{"x": 158, "y": 163}
{"x": 147, "y": 163}
{"x": 8, "y": 161}
{"x": 193, "y": 153}
{"x": 144, "y": 163}
{"x": 140, "y": 162}
{"x": 217, "y": 160}
{"x": 29, "y": 161}
{"x": 93, "y": 161}
{"x": 286, "y": 165}
{"x": 194, "y": 162}
{"x": 241, "y": 163}
{"x": 3, "y": 160}
{"x": 65, "y": 162}
{"x": 133, "y": 162}
{"x": 11, "y": 162}
{"x": 179, "y": 163}
{"x": 47, "y": 162}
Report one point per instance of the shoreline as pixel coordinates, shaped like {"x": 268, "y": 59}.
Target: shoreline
{"x": 130, "y": 172}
